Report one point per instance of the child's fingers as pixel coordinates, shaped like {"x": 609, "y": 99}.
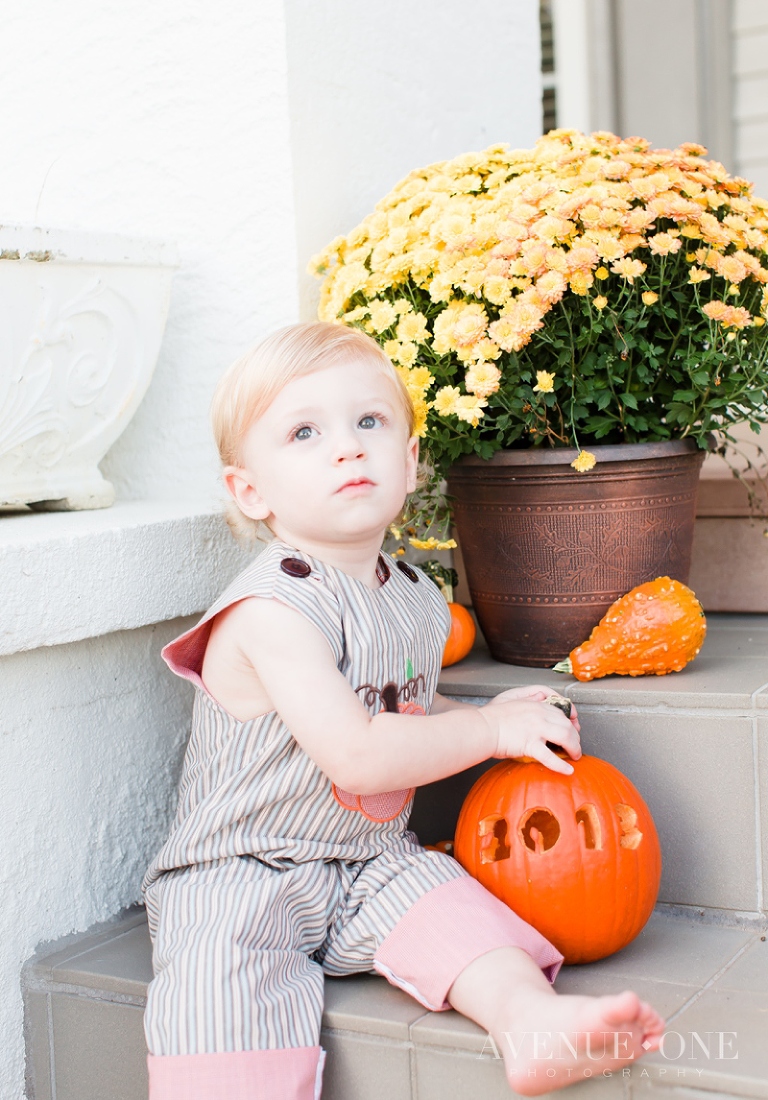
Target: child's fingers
{"x": 567, "y": 738}
{"x": 550, "y": 759}
{"x": 536, "y": 692}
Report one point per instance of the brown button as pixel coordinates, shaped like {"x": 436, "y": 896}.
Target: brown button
{"x": 382, "y": 570}
{"x": 295, "y": 567}
{"x": 411, "y": 574}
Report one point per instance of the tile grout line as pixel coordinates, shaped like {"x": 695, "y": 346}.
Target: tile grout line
{"x": 710, "y": 982}
{"x": 758, "y": 817}
{"x": 758, "y": 807}
{"x": 51, "y": 1048}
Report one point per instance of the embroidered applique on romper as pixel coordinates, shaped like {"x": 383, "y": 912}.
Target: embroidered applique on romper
{"x": 272, "y": 876}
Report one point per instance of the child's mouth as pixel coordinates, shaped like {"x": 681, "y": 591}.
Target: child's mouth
{"x": 356, "y": 485}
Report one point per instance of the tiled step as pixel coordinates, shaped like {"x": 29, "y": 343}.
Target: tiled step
{"x": 695, "y": 744}
{"x": 85, "y": 1040}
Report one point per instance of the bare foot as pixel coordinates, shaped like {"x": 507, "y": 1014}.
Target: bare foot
{"x": 560, "y": 1040}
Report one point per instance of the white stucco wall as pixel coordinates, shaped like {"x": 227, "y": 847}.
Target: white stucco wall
{"x": 167, "y": 120}
{"x": 376, "y": 91}
{"x": 249, "y": 134}
{"x": 91, "y": 736}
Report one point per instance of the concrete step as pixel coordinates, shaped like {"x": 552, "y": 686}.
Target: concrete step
{"x": 84, "y": 1000}
{"x": 694, "y": 743}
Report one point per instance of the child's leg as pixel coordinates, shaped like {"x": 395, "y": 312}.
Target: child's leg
{"x": 548, "y": 1041}
{"x": 422, "y": 922}
{"x": 234, "y": 1010}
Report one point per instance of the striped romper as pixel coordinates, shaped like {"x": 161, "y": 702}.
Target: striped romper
{"x": 272, "y": 876}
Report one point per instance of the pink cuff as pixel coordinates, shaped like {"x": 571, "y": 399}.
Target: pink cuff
{"x": 293, "y": 1074}
{"x": 446, "y": 930}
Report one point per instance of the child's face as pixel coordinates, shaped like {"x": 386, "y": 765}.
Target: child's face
{"x": 330, "y": 460}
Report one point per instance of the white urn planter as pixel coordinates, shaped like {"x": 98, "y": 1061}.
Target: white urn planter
{"x": 81, "y": 316}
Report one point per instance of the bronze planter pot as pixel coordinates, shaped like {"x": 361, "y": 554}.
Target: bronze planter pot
{"x": 547, "y": 550}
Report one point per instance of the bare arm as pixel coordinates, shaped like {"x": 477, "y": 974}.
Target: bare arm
{"x": 370, "y": 755}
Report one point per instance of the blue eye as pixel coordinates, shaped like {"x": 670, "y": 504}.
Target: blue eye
{"x": 304, "y": 432}
{"x": 367, "y": 422}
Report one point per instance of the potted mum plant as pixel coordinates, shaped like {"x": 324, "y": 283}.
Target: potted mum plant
{"x": 576, "y": 324}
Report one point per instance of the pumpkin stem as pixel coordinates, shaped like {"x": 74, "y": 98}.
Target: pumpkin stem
{"x": 563, "y": 666}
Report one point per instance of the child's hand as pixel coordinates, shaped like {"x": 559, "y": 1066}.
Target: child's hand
{"x": 523, "y": 722}
{"x": 536, "y": 691}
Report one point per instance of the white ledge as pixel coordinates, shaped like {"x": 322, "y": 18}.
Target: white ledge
{"x": 74, "y": 575}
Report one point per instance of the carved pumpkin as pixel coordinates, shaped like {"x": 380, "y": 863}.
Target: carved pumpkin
{"x": 577, "y": 856}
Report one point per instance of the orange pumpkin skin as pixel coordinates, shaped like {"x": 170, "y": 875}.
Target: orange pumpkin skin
{"x": 462, "y": 635}
{"x": 577, "y": 856}
{"x": 656, "y": 628}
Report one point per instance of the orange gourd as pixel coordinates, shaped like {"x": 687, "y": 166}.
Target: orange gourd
{"x": 656, "y": 628}
{"x": 463, "y": 631}
{"x": 577, "y": 856}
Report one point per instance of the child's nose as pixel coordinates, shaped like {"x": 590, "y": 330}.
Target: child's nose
{"x": 349, "y": 446}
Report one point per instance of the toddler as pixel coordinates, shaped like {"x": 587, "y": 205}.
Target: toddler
{"x": 315, "y": 717}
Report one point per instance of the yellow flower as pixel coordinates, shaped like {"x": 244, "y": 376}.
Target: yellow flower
{"x": 485, "y": 349}
{"x": 600, "y": 302}
{"x": 420, "y": 410}
{"x": 418, "y": 377}
{"x": 401, "y": 306}
{"x": 728, "y": 316}
{"x": 715, "y": 310}
{"x": 551, "y": 286}
{"x": 441, "y": 288}
{"x": 382, "y": 314}
{"x": 545, "y": 382}
{"x": 758, "y": 322}
{"x": 696, "y": 275}
{"x": 628, "y": 269}
{"x": 445, "y": 400}
{"x": 513, "y": 329}
{"x": 582, "y": 257}
{"x": 470, "y": 325}
{"x": 732, "y": 269}
{"x": 581, "y": 281}
{"x": 470, "y": 409}
{"x": 584, "y": 461}
{"x": 649, "y": 297}
{"x": 407, "y": 354}
{"x": 482, "y": 379}
{"x": 433, "y": 544}
{"x": 497, "y": 290}
{"x": 412, "y": 328}
{"x": 602, "y": 273}
{"x": 661, "y": 244}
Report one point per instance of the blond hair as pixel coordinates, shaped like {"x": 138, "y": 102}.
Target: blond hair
{"x": 251, "y": 384}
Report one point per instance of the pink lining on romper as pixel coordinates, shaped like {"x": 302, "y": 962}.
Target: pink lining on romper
{"x": 447, "y": 929}
{"x": 292, "y": 1074}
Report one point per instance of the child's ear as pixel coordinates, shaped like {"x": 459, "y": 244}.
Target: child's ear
{"x": 412, "y": 463}
{"x": 244, "y": 492}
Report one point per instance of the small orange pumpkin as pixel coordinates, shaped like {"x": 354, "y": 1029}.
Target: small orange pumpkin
{"x": 577, "y": 856}
{"x": 463, "y": 631}
{"x": 656, "y": 628}
{"x": 444, "y": 846}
